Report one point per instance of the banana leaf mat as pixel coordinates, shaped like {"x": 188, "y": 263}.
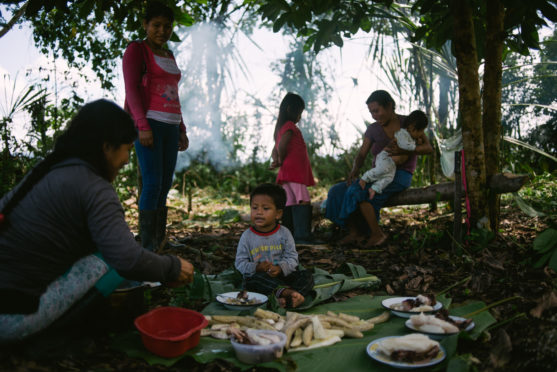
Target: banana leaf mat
{"x": 348, "y": 355}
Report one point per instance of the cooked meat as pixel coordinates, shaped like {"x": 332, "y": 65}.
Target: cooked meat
{"x": 443, "y": 314}
{"x": 414, "y": 347}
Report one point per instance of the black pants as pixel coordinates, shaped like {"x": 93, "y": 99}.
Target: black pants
{"x": 261, "y": 282}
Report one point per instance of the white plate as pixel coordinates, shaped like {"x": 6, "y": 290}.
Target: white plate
{"x": 261, "y": 299}
{"x": 387, "y": 303}
{"x": 439, "y": 336}
{"x": 371, "y": 350}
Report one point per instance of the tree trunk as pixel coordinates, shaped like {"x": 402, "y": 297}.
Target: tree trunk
{"x": 427, "y": 93}
{"x": 470, "y": 106}
{"x": 444, "y": 85}
{"x": 492, "y": 99}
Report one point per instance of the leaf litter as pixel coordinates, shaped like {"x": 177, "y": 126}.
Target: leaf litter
{"x": 418, "y": 258}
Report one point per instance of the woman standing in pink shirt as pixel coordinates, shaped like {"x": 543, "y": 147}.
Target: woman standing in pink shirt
{"x": 151, "y": 78}
{"x": 291, "y": 155}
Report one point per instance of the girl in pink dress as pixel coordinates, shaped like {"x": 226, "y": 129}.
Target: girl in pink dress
{"x": 290, "y": 154}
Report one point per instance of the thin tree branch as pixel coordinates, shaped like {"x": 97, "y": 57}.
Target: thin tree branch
{"x": 14, "y": 19}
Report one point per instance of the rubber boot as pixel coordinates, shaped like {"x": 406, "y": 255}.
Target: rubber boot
{"x": 160, "y": 232}
{"x": 148, "y": 229}
{"x": 301, "y": 218}
{"x": 163, "y": 241}
{"x": 287, "y": 219}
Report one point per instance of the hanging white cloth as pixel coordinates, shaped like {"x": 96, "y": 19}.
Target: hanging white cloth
{"x": 447, "y": 148}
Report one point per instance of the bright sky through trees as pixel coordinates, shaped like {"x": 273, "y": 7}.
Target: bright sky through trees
{"x": 352, "y": 77}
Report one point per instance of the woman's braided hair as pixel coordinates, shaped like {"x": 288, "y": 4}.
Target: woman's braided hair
{"x": 96, "y": 124}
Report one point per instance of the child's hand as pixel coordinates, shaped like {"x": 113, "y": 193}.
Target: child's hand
{"x": 393, "y": 149}
{"x": 274, "y": 270}
{"x": 275, "y": 164}
{"x": 263, "y": 266}
{"x": 371, "y": 193}
{"x": 362, "y": 184}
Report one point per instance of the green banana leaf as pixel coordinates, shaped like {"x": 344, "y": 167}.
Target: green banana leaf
{"x": 348, "y": 355}
{"x": 206, "y": 287}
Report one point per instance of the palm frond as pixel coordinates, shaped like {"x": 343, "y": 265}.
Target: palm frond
{"x": 531, "y": 105}
{"x": 14, "y": 101}
{"x": 528, "y": 146}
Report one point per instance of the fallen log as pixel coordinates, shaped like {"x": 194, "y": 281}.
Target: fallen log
{"x": 500, "y": 183}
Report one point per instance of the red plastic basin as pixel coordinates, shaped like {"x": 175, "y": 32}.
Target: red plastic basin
{"x": 170, "y": 331}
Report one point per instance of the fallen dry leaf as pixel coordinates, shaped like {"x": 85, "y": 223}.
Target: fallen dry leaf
{"x": 326, "y": 261}
{"x": 547, "y": 301}
{"x": 414, "y": 283}
{"x": 501, "y": 353}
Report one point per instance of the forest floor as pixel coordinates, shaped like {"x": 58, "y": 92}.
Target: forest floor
{"x": 417, "y": 258}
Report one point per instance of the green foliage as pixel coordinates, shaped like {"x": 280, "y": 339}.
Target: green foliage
{"x": 237, "y": 179}
{"x": 127, "y": 180}
{"x": 19, "y": 155}
{"x": 546, "y": 245}
{"x": 425, "y": 237}
{"x": 541, "y": 194}
{"x": 300, "y": 72}
{"x": 479, "y": 239}
{"x": 530, "y": 90}
{"x": 522, "y": 22}
{"x": 97, "y": 32}
{"x": 206, "y": 287}
{"x": 240, "y": 179}
{"x": 323, "y": 23}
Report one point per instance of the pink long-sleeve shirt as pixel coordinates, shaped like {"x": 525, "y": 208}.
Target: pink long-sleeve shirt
{"x": 149, "y": 88}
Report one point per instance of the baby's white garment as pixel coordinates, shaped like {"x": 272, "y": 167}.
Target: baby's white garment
{"x": 384, "y": 171}
{"x": 404, "y": 140}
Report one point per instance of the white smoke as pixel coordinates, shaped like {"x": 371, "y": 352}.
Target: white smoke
{"x": 202, "y": 87}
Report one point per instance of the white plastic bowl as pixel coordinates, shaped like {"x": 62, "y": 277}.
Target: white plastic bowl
{"x": 253, "y": 354}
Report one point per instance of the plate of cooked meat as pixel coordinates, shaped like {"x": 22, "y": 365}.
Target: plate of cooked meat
{"x": 410, "y": 351}
{"x": 406, "y": 306}
{"x": 241, "y": 300}
{"x": 439, "y": 325}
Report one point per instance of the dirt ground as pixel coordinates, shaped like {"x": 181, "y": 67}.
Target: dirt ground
{"x": 417, "y": 258}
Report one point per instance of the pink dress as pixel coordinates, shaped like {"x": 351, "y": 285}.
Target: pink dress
{"x": 295, "y": 167}
{"x": 295, "y": 172}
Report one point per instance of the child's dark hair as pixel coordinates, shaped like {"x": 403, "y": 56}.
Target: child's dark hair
{"x": 418, "y": 118}
{"x": 96, "y": 124}
{"x": 382, "y": 97}
{"x": 158, "y": 9}
{"x": 275, "y": 191}
{"x": 290, "y": 108}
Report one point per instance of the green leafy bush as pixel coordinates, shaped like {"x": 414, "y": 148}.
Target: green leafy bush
{"x": 546, "y": 245}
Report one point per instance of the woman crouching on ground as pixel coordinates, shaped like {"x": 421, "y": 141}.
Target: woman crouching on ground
{"x": 63, "y": 236}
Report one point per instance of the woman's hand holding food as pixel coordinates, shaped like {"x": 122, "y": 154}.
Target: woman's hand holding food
{"x": 186, "y": 272}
